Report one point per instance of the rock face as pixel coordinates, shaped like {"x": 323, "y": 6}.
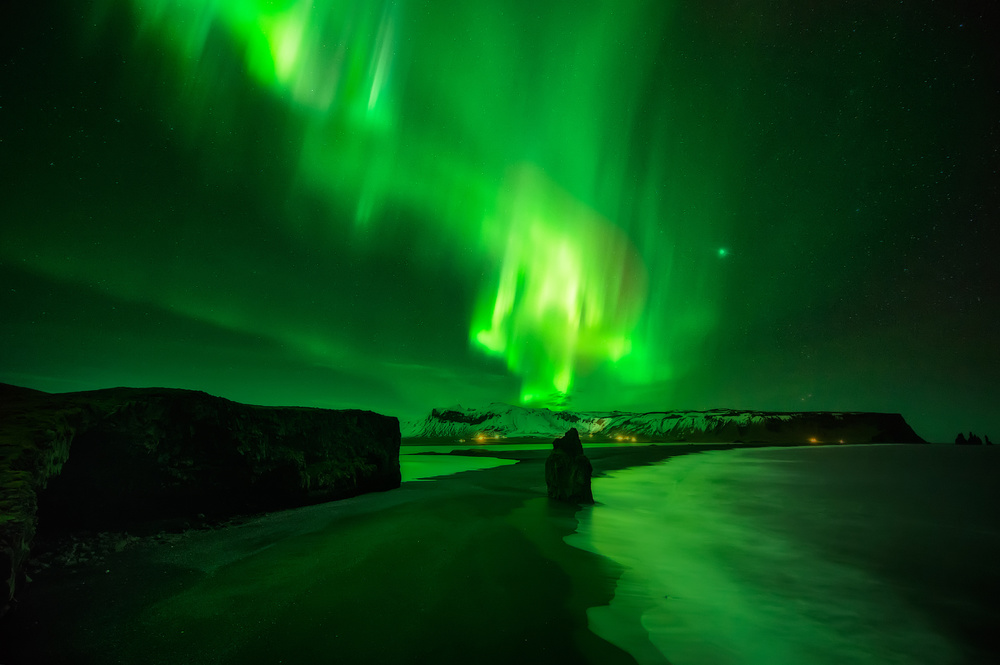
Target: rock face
{"x": 714, "y": 426}
{"x": 568, "y": 471}
{"x": 124, "y": 457}
{"x": 973, "y": 440}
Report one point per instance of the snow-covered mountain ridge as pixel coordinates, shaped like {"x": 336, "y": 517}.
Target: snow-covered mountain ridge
{"x": 717, "y": 425}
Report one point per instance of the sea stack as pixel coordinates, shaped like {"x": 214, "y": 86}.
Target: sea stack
{"x": 567, "y": 470}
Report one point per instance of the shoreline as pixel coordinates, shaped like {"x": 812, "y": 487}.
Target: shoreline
{"x": 476, "y": 565}
{"x": 437, "y": 566}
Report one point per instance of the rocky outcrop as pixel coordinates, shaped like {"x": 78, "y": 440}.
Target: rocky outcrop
{"x": 713, "y": 426}
{"x": 124, "y": 457}
{"x": 568, "y": 471}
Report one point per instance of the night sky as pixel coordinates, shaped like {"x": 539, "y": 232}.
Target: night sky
{"x": 600, "y": 204}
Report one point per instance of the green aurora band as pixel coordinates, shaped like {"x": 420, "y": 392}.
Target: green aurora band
{"x": 403, "y": 204}
{"x": 442, "y": 110}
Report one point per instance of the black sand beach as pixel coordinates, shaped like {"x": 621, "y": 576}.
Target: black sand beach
{"x": 780, "y": 556}
{"x": 466, "y": 568}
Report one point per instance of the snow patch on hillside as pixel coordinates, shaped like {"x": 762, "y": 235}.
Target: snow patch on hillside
{"x": 505, "y": 420}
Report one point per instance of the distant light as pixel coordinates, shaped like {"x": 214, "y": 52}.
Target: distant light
{"x": 813, "y": 440}
{"x": 723, "y": 252}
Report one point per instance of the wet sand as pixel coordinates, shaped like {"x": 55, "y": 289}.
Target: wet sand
{"x": 466, "y": 568}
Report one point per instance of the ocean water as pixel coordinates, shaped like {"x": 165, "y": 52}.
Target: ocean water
{"x": 415, "y": 449}
{"x": 854, "y": 554}
{"x": 414, "y": 466}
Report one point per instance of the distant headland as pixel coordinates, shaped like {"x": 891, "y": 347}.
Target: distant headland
{"x": 503, "y": 421}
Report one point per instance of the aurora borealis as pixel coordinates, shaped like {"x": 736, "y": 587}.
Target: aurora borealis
{"x": 396, "y": 205}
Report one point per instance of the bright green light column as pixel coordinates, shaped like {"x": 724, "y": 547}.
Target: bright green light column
{"x": 514, "y": 135}
{"x": 571, "y": 287}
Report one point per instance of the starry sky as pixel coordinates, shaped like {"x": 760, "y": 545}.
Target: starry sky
{"x": 599, "y": 204}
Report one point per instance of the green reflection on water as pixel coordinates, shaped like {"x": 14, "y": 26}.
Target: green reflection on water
{"x": 708, "y": 581}
{"x": 426, "y": 467}
{"x": 410, "y": 449}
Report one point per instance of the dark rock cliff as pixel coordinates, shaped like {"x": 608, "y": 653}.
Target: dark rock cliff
{"x": 125, "y": 457}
